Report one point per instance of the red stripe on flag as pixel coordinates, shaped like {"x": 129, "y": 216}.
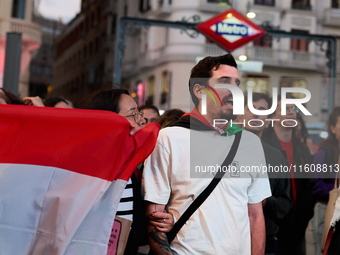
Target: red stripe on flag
{"x": 90, "y": 142}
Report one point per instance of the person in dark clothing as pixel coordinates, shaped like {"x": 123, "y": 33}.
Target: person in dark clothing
{"x": 327, "y": 155}
{"x": 291, "y": 235}
{"x": 280, "y": 203}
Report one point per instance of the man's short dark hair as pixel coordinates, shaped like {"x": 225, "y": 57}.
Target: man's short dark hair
{"x": 149, "y": 106}
{"x": 257, "y": 97}
{"x": 52, "y": 101}
{"x": 204, "y": 68}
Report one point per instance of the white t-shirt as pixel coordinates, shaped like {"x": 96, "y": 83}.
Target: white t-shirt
{"x": 221, "y": 224}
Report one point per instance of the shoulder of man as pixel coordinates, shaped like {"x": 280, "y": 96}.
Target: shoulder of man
{"x": 250, "y": 137}
{"x": 272, "y": 153}
{"x": 269, "y": 137}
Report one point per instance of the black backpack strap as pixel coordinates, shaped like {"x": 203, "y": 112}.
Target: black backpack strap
{"x": 204, "y": 195}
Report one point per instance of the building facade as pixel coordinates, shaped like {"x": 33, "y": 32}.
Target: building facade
{"x": 157, "y": 61}
{"x": 82, "y": 52}
{"x": 16, "y": 16}
{"x": 41, "y": 67}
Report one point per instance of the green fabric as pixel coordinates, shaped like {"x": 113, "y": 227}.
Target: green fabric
{"x": 232, "y": 130}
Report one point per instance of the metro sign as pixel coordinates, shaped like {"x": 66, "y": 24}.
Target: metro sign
{"x": 230, "y": 29}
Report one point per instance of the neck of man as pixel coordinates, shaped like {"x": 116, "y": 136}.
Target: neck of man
{"x": 283, "y": 133}
{"x": 210, "y": 119}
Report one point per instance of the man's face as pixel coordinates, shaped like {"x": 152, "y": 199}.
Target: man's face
{"x": 290, "y": 114}
{"x": 150, "y": 115}
{"x": 248, "y": 115}
{"x": 224, "y": 111}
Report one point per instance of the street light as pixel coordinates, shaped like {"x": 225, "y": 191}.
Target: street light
{"x": 251, "y": 15}
{"x": 242, "y": 57}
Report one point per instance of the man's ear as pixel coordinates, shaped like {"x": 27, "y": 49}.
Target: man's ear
{"x": 198, "y": 91}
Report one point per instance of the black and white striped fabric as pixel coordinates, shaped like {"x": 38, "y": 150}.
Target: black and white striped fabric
{"x": 125, "y": 206}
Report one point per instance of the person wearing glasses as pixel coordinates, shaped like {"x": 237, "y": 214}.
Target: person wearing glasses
{"x": 131, "y": 205}
{"x": 291, "y": 235}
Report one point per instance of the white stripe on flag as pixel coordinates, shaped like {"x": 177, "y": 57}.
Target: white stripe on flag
{"x": 48, "y": 209}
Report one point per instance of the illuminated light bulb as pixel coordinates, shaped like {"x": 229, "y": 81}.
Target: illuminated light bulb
{"x": 251, "y": 15}
{"x": 243, "y": 58}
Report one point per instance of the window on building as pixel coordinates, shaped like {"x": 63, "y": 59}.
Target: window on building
{"x": 125, "y": 10}
{"x": 299, "y": 44}
{"x": 219, "y": 1}
{"x": 91, "y": 49}
{"x": 99, "y": 13}
{"x": 263, "y": 41}
{"x": 265, "y": 2}
{"x": 18, "y": 9}
{"x": 301, "y": 4}
{"x": 144, "y": 5}
{"x": 164, "y": 88}
{"x": 96, "y": 45}
{"x": 93, "y": 19}
{"x": 87, "y": 26}
{"x": 294, "y": 82}
{"x": 114, "y": 24}
{"x": 85, "y": 52}
{"x": 259, "y": 83}
{"x": 335, "y": 4}
{"x": 150, "y": 89}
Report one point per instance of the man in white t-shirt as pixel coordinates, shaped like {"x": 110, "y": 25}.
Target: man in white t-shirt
{"x": 185, "y": 160}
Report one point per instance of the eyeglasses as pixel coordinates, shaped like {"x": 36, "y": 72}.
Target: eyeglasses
{"x": 291, "y": 107}
{"x": 137, "y": 116}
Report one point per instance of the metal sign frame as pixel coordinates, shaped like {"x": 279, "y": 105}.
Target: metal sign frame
{"x": 191, "y": 30}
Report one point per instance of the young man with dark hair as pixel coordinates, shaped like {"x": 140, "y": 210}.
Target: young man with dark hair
{"x": 280, "y": 203}
{"x": 225, "y": 223}
{"x": 291, "y": 236}
{"x": 151, "y": 112}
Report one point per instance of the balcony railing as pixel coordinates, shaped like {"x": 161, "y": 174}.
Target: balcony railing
{"x": 332, "y": 17}
{"x": 289, "y": 59}
{"x": 211, "y": 49}
{"x": 29, "y": 31}
{"x": 271, "y": 57}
